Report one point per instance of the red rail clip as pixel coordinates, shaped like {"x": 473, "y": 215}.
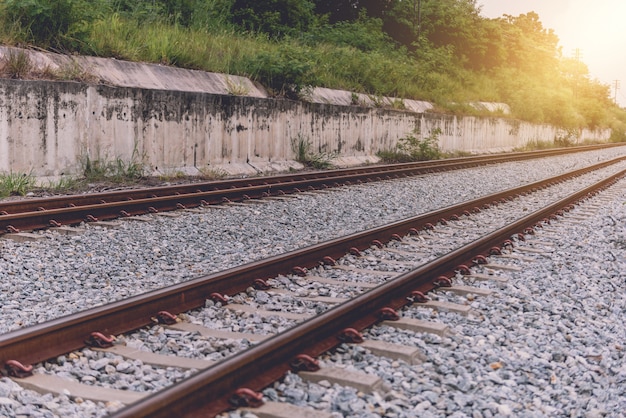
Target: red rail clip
{"x": 388, "y": 314}
{"x": 299, "y": 271}
{"x": 350, "y": 335}
{"x": 99, "y": 340}
{"x": 463, "y": 269}
{"x": 164, "y": 317}
{"x": 418, "y": 297}
{"x": 479, "y": 259}
{"x": 329, "y": 261}
{"x": 16, "y": 369}
{"x": 304, "y": 362}
{"x": 442, "y": 281}
{"x": 261, "y": 284}
{"x": 216, "y": 297}
{"x": 245, "y": 397}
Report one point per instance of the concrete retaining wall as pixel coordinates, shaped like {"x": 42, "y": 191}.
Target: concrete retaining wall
{"x": 51, "y": 128}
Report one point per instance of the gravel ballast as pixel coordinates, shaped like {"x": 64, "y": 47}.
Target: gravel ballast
{"x": 60, "y": 274}
{"x": 548, "y": 343}
{"x": 63, "y": 274}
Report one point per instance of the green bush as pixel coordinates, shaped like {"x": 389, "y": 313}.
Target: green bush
{"x": 61, "y": 24}
{"x": 15, "y": 184}
{"x": 16, "y": 64}
{"x": 301, "y": 146}
{"x": 287, "y": 71}
{"x": 277, "y": 18}
{"x": 411, "y": 148}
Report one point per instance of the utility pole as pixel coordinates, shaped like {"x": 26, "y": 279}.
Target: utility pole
{"x": 616, "y": 87}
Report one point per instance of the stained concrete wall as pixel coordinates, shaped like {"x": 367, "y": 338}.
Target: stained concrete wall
{"x": 50, "y": 129}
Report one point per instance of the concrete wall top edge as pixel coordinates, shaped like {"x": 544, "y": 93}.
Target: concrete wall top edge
{"x": 110, "y": 71}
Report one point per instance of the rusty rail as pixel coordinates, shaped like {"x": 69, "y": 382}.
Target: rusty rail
{"x": 53, "y": 338}
{"x": 31, "y": 214}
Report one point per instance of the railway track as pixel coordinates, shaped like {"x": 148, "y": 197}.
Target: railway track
{"x": 259, "y": 365}
{"x": 40, "y": 213}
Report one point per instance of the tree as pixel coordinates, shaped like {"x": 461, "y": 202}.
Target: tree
{"x": 274, "y": 17}
{"x": 530, "y": 47}
{"x": 52, "y": 23}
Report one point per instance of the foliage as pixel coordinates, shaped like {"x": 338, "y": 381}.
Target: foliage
{"x": 117, "y": 170}
{"x": 277, "y": 18}
{"x": 301, "y": 146}
{"x": 15, "y": 184}
{"x": 209, "y": 173}
{"x": 72, "y": 70}
{"x": 59, "y": 24}
{"x": 365, "y": 34}
{"x": 618, "y": 135}
{"x": 236, "y": 88}
{"x": 535, "y": 144}
{"x": 287, "y": 71}
{"x": 64, "y": 184}
{"x": 442, "y": 51}
{"x": 16, "y": 64}
{"x": 411, "y": 148}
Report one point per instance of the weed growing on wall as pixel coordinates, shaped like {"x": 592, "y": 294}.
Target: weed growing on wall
{"x": 301, "y": 146}
{"x": 15, "y": 184}
{"x": 236, "y": 88}
{"x": 16, "y": 64}
{"x": 72, "y": 70}
{"x": 209, "y": 173}
{"x": 117, "y": 170}
{"x": 64, "y": 184}
{"x": 411, "y": 148}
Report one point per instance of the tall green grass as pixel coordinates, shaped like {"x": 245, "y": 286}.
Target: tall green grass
{"x": 15, "y": 184}
{"x": 290, "y": 63}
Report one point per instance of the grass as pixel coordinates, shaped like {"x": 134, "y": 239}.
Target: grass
{"x": 73, "y": 71}
{"x": 301, "y": 146}
{"x": 65, "y": 184}
{"x": 116, "y": 171}
{"x": 16, "y": 65}
{"x": 411, "y": 148}
{"x": 208, "y": 173}
{"x": 236, "y": 88}
{"x": 16, "y": 184}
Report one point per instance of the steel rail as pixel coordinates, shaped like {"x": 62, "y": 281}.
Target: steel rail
{"x": 106, "y": 211}
{"x": 209, "y": 392}
{"x": 50, "y": 339}
{"x": 39, "y": 213}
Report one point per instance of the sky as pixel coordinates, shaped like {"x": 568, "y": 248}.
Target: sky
{"x": 596, "y": 28}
